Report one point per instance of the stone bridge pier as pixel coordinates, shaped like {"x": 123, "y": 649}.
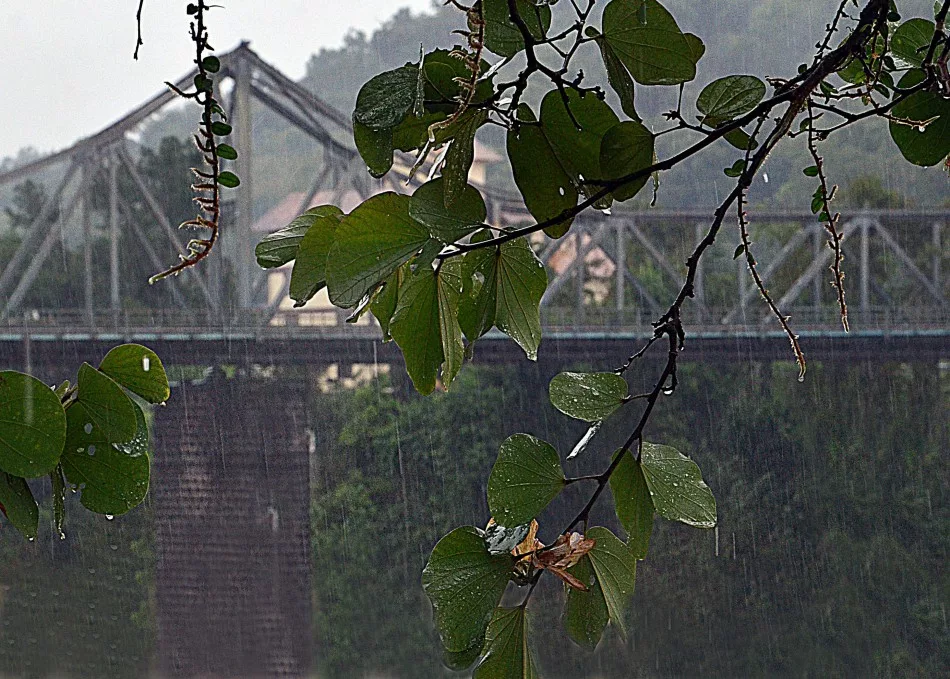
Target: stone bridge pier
{"x": 231, "y": 496}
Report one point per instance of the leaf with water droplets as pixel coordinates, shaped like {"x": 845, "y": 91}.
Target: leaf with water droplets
{"x": 18, "y": 505}
{"x": 370, "y": 243}
{"x": 138, "y": 369}
{"x": 633, "y": 503}
{"x": 616, "y": 571}
{"x": 585, "y": 613}
{"x": 527, "y": 475}
{"x": 507, "y": 654}
{"x": 464, "y": 582}
{"x": 114, "y": 477}
{"x": 32, "y": 426}
{"x": 677, "y": 487}
{"x": 588, "y": 396}
{"x": 104, "y": 405}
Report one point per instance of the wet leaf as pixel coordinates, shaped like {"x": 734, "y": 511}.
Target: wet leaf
{"x": 370, "y": 243}
{"x": 677, "y": 487}
{"x": 527, "y": 475}
{"x": 461, "y": 153}
{"x": 383, "y": 305}
{"x": 464, "y": 583}
{"x": 655, "y": 51}
{"x": 926, "y": 141}
{"x": 18, "y": 504}
{"x": 577, "y": 148}
{"x": 502, "y": 35}
{"x": 104, "y": 406}
{"x": 467, "y": 214}
{"x": 138, "y": 369}
{"x": 633, "y": 503}
{"x": 545, "y": 186}
{"x": 912, "y": 39}
{"x": 615, "y": 568}
{"x": 588, "y": 396}
{"x": 626, "y": 148}
{"x": 507, "y": 655}
{"x": 280, "y": 247}
{"x": 310, "y": 266}
{"x": 375, "y": 148}
{"x": 425, "y": 326}
{"x": 113, "y": 477}
{"x": 617, "y": 76}
{"x": 730, "y": 97}
{"x": 585, "y": 613}
{"x": 386, "y": 99}
{"x": 32, "y": 426}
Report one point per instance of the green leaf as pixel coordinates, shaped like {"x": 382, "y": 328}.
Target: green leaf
{"x": 464, "y": 583}
{"x": 730, "y": 97}
{"x": 112, "y": 477}
{"x": 310, "y": 267}
{"x": 587, "y": 396}
{"x": 740, "y": 139}
{"x": 617, "y": 76}
{"x": 508, "y": 655}
{"x": 371, "y": 242}
{"x": 138, "y": 369}
{"x": 616, "y": 570}
{"x": 479, "y": 292}
{"x": 527, "y": 475}
{"x": 626, "y": 148}
{"x": 383, "y": 304}
{"x": 462, "y": 660}
{"x": 521, "y": 282}
{"x": 280, "y": 247}
{"x": 696, "y": 47}
{"x": 912, "y": 39}
{"x": 413, "y": 133}
{"x": 578, "y": 150}
{"x": 677, "y": 487}
{"x": 32, "y": 426}
{"x": 227, "y": 152}
{"x": 220, "y": 129}
{"x": 443, "y": 73}
{"x": 229, "y": 180}
{"x": 932, "y": 145}
{"x": 633, "y": 503}
{"x": 386, "y": 99}
{"x": 585, "y": 613}
{"x": 425, "y": 326}
{"x": 461, "y": 153}
{"x": 736, "y": 170}
{"x": 468, "y": 212}
{"x": 656, "y": 52}
{"x": 18, "y": 505}
{"x": 104, "y": 407}
{"x": 545, "y": 186}
{"x": 810, "y": 171}
{"x": 375, "y": 148}
{"x": 449, "y": 281}
{"x": 211, "y": 64}
{"x": 502, "y": 35}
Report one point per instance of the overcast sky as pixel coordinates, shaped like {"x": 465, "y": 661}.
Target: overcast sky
{"x": 66, "y": 67}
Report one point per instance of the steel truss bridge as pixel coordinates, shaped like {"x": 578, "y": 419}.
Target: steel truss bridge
{"x": 608, "y": 279}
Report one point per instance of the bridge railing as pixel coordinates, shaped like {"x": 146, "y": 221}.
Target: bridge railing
{"x": 333, "y": 322}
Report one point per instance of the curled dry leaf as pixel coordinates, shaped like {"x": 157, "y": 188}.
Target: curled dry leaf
{"x": 566, "y": 551}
